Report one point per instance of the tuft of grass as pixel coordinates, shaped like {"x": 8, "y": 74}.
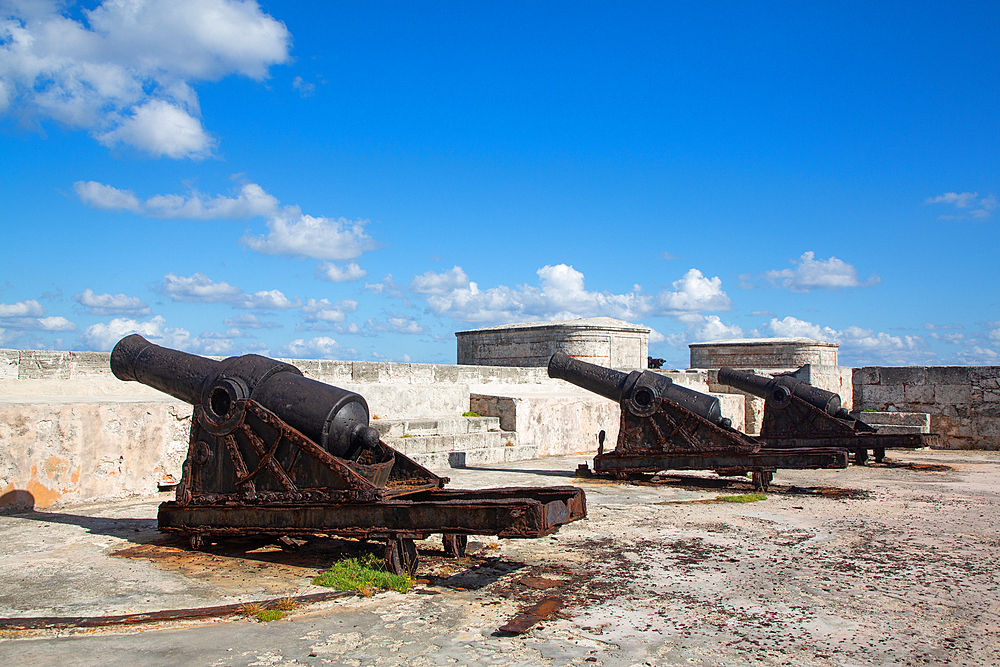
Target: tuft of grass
{"x": 406, "y": 435}
{"x": 365, "y": 574}
{"x": 287, "y": 604}
{"x": 266, "y": 615}
{"x": 742, "y": 498}
{"x": 249, "y": 609}
{"x": 470, "y": 413}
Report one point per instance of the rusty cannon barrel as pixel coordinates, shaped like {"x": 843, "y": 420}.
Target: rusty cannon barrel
{"x": 639, "y": 391}
{"x": 334, "y": 418}
{"x": 781, "y": 388}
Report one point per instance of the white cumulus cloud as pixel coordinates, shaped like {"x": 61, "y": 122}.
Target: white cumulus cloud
{"x": 976, "y": 207}
{"x": 560, "y": 295}
{"x": 252, "y": 200}
{"x": 104, "y": 336}
{"x": 123, "y": 70}
{"x": 811, "y": 273}
{"x": 700, "y": 328}
{"x": 30, "y": 316}
{"x": 315, "y": 237}
{"x": 340, "y": 274}
{"x": 321, "y": 347}
{"x": 693, "y": 293}
{"x": 111, "y": 304}
{"x": 249, "y": 321}
{"x": 858, "y": 346}
{"x": 199, "y": 288}
{"x": 290, "y": 232}
{"x": 323, "y": 311}
{"x": 440, "y": 283}
{"x": 22, "y": 309}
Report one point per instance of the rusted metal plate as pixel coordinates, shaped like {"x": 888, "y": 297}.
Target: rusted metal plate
{"x": 47, "y": 622}
{"x": 530, "y": 616}
{"x": 769, "y": 459}
{"x": 510, "y": 512}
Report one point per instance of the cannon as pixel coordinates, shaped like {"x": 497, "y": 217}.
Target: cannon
{"x": 665, "y": 426}
{"x": 273, "y": 452}
{"x": 798, "y": 415}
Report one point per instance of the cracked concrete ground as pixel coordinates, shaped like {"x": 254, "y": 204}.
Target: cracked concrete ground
{"x": 880, "y": 565}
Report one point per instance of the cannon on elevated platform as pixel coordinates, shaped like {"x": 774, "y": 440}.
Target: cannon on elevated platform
{"x": 798, "y": 415}
{"x": 273, "y": 452}
{"x": 665, "y": 426}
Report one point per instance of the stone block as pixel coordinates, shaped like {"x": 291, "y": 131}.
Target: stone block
{"x": 938, "y": 375}
{"x": 734, "y": 409}
{"x": 311, "y": 368}
{"x": 364, "y": 372}
{"x": 502, "y": 407}
{"x": 952, "y": 394}
{"x": 335, "y": 372}
{"x": 905, "y": 375}
{"x": 468, "y": 374}
{"x": 84, "y": 364}
{"x": 445, "y": 374}
{"x": 919, "y": 394}
{"x": 986, "y": 411}
{"x": 9, "y": 362}
{"x": 867, "y": 375}
{"x": 42, "y": 364}
{"x": 880, "y": 397}
{"x": 896, "y": 422}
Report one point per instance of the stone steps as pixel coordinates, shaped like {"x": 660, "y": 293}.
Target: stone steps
{"x": 453, "y": 442}
{"x": 896, "y": 422}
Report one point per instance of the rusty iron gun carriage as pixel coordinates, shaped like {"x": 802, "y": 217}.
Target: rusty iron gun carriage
{"x": 665, "y": 426}
{"x": 799, "y": 415}
{"x": 273, "y": 452}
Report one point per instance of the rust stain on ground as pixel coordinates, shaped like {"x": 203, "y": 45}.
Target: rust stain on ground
{"x": 532, "y": 615}
{"x": 235, "y": 566}
{"x": 541, "y": 583}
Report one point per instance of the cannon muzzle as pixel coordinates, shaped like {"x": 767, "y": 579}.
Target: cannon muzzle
{"x": 332, "y": 417}
{"x": 780, "y": 389}
{"x": 639, "y": 391}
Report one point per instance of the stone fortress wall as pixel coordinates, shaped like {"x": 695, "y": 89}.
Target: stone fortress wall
{"x": 71, "y": 432}
{"x": 963, "y": 401}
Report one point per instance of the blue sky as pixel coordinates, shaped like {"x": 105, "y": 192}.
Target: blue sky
{"x": 363, "y": 180}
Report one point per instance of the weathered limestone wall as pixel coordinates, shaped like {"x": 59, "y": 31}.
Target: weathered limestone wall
{"x": 83, "y": 452}
{"x": 599, "y": 340}
{"x": 567, "y": 420}
{"x": 763, "y": 353}
{"x": 963, "y": 401}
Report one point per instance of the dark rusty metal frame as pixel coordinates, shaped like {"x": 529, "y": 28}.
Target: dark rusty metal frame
{"x": 674, "y": 438}
{"x": 380, "y": 495}
{"x": 796, "y": 424}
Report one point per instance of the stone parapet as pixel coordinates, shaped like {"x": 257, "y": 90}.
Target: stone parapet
{"x": 763, "y": 353}
{"x": 73, "y": 452}
{"x": 598, "y": 340}
{"x": 963, "y": 401}
{"x": 896, "y": 422}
